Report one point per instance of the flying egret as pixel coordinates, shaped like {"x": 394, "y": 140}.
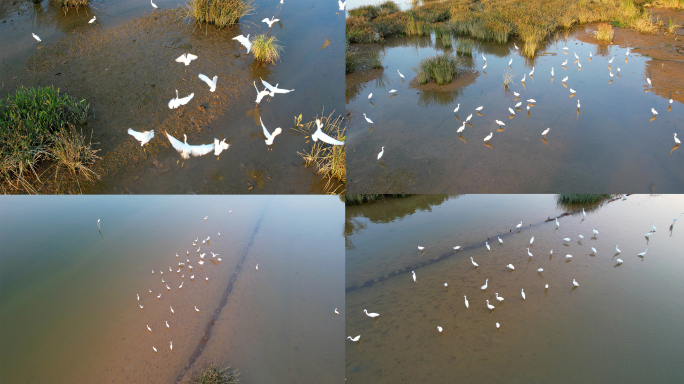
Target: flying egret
{"x": 510, "y": 266}
{"x": 473, "y": 261}
{"x": 531, "y": 101}
{"x": 484, "y": 287}
{"x": 177, "y": 102}
{"x": 320, "y": 135}
{"x": 500, "y": 241}
{"x": 244, "y": 41}
{"x": 568, "y": 257}
{"x": 372, "y": 314}
{"x": 642, "y": 254}
{"x": 262, "y": 94}
{"x": 654, "y": 111}
{"x": 381, "y": 153}
{"x": 211, "y": 83}
{"x": 342, "y": 5}
{"x": 479, "y": 108}
{"x": 274, "y": 89}
{"x": 270, "y": 22}
{"x": 498, "y": 298}
{"x": 564, "y": 79}
{"x": 528, "y": 252}
{"x": 142, "y": 137}
{"x": 510, "y": 62}
{"x": 516, "y": 94}
{"x": 501, "y": 123}
{"x": 490, "y": 306}
{"x": 676, "y": 139}
{"x": 414, "y": 276}
{"x": 519, "y": 225}
{"x": 532, "y": 71}
{"x": 619, "y": 261}
{"x": 466, "y": 301}
{"x": 575, "y": 283}
{"x": 186, "y": 149}
{"x": 402, "y": 76}
{"x": 186, "y": 58}
{"x": 269, "y": 137}
{"x": 457, "y": 107}
{"x": 572, "y": 91}
{"x": 511, "y": 111}
{"x": 393, "y": 91}
{"x": 92, "y": 20}
{"x": 354, "y": 338}
{"x": 367, "y": 119}
{"x": 153, "y": 5}
{"x": 551, "y": 71}
{"x": 487, "y": 244}
{"x": 220, "y": 146}
{"x": 593, "y": 250}
{"x": 522, "y": 292}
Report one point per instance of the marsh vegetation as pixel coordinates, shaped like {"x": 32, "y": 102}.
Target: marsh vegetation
{"x": 266, "y": 49}
{"x": 221, "y": 13}
{"x": 330, "y": 161}
{"x": 440, "y": 69}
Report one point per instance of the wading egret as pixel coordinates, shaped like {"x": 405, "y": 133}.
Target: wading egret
{"x": 619, "y": 261}
{"x": 546, "y": 286}
{"x": 150, "y": 290}
{"x": 487, "y": 245}
{"x": 593, "y": 250}
{"x": 457, "y": 107}
{"x": 269, "y": 137}
{"x": 551, "y": 71}
{"x": 270, "y": 22}
{"x": 382, "y": 151}
{"x": 220, "y": 146}
{"x": 531, "y": 241}
{"x": 523, "y": 79}
{"x": 519, "y": 225}
{"x": 499, "y": 122}
{"x": 564, "y": 79}
{"x": 392, "y": 91}
{"x": 402, "y": 76}
{"x": 171, "y": 309}
{"x": 617, "y": 250}
{"x": 522, "y": 292}
{"x": 372, "y": 314}
{"x": 92, "y": 20}
{"x": 551, "y": 252}
{"x": 497, "y": 325}
{"x": 500, "y": 241}
{"x": 159, "y": 296}
{"x": 572, "y": 91}
{"x": 167, "y": 324}
{"x": 654, "y": 111}
{"x": 186, "y": 149}
{"x": 532, "y": 71}
{"x": 578, "y": 104}
{"x": 138, "y": 296}
{"x": 439, "y": 329}
{"x": 568, "y": 257}
{"x": 320, "y": 135}
{"x": 540, "y": 270}
{"x": 576, "y": 57}
{"x": 469, "y": 117}
{"x": 446, "y": 285}
{"x": 575, "y": 283}
{"x": 676, "y": 139}
{"x": 354, "y": 338}
{"x": 414, "y": 276}
{"x": 648, "y": 81}
{"x": 557, "y": 224}
{"x": 186, "y": 58}
{"x": 155, "y": 349}
{"x": 479, "y": 108}
{"x": 516, "y": 47}
{"x": 462, "y": 127}
{"x": 483, "y": 57}
{"x": 518, "y": 104}
{"x": 473, "y": 261}
{"x": 149, "y": 329}
{"x": 531, "y": 101}
{"x": 564, "y": 63}
{"x": 141, "y": 307}
{"x": 484, "y": 287}
{"x": 580, "y": 237}
{"x": 336, "y": 312}
{"x": 211, "y": 83}
{"x": 171, "y": 345}
{"x": 370, "y": 95}
{"x": 196, "y": 310}
{"x": 367, "y": 119}
{"x": 544, "y": 134}
{"x": 244, "y": 41}
{"x": 498, "y": 298}
{"x": 466, "y": 301}
{"x": 528, "y": 252}
{"x": 457, "y": 247}
{"x": 490, "y": 306}
{"x": 516, "y": 94}
{"x": 153, "y": 5}
{"x": 595, "y": 232}
{"x": 642, "y": 254}
{"x": 142, "y": 137}
{"x": 510, "y": 266}
{"x": 511, "y": 111}
{"x": 611, "y": 60}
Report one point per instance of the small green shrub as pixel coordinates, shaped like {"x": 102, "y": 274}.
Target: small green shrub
{"x": 266, "y": 49}
{"x": 441, "y": 69}
{"x": 222, "y": 13}
{"x": 376, "y": 60}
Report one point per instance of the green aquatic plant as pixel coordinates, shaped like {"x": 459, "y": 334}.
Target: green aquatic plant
{"x": 221, "y": 13}
{"x": 214, "y": 374}
{"x": 570, "y": 199}
{"x": 266, "y": 49}
{"x": 440, "y": 68}
{"x": 464, "y": 47}
{"x": 350, "y": 61}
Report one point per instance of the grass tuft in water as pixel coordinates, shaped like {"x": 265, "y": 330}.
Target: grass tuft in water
{"x": 350, "y": 60}
{"x": 570, "y": 199}
{"x": 376, "y": 60}
{"x": 672, "y": 26}
{"x": 604, "y": 32}
{"x": 508, "y": 77}
{"x": 464, "y": 47}
{"x": 328, "y": 160}
{"x": 266, "y": 49}
{"x": 221, "y": 13}
{"x": 214, "y": 374}
{"x": 446, "y": 41}
{"x": 441, "y": 69}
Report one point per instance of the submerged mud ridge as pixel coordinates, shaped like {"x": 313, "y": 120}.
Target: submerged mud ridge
{"x": 445, "y": 256}
{"x": 128, "y": 74}
{"x": 207, "y": 333}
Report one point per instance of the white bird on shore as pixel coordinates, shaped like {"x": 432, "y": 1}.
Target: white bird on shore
{"x": 402, "y": 76}
{"x": 490, "y": 306}
{"x": 619, "y": 261}
{"x": 676, "y": 139}
{"x": 367, "y": 119}
{"x": 336, "y": 312}
{"x": 546, "y": 286}
{"x": 551, "y": 252}
{"x": 565, "y": 79}
{"x": 211, "y": 83}
{"x": 269, "y": 136}
{"x": 153, "y": 5}
{"x": 172, "y": 310}
{"x": 196, "y": 310}
{"x": 36, "y": 37}
{"x": 484, "y": 287}
{"x": 138, "y": 296}
{"x": 354, "y": 338}
{"x": 642, "y": 254}
{"x": 320, "y": 135}
{"x": 575, "y": 283}
{"x": 381, "y": 153}
{"x": 528, "y": 252}
{"x": 274, "y": 89}
{"x": 510, "y": 266}
{"x": 177, "y": 102}
{"x": 522, "y": 292}
{"x": 466, "y": 301}
{"x": 270, "y": 22}
{"x": 654, "y": 111}
{"x": 473, "y": 261}
{"x": 487, "y": 245}
{"x": 186, "y": 149}
{"x": 557, "y": 224}
{"x": 414, "y": 276}
{"x": 544, "y": 134}
{"x": 372, "y": 314}
{"x": 617, "y": 250}
{"x": 142, "y": 137}
{"x": 519, "y": 225}
{"x": 186, "y": 58}
{"x": 92, "y": 20}
{"x": 244, "y": 41}
{"x": 498, "y": 298}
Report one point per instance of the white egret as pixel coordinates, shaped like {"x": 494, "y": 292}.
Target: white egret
{"x": 546, "y": 286}
{"x": 531, "y": 101}
{"x": 648, "y": 81}
{"x": 466, "y": 301}
{"x": 462, "y": 127}
{"x": 372, "y": 314}
{"x": 270, "y": 22}
{"x": 676, "y": 139}
{"x": 532, "y": 240}
{"x": 167, "y": 324}
{"x": 499, "y": 122}
{"x": 497, "y": 325}
{"x": 568, "y": 257}
{"x": 498, "y": 298}
{"x": 590, "y": 54}
{"x": 172, "y": 309}
{"x": 611, "y": 60}
{"x": 580, "y": 237}
{"x": 244, "y": 41}
{"x": 150, "y": 290}
{"x": 551, "y": 253}
{"x": 320, "y": 135}
{"x": 262, "y": 94}
{"x": 670, "y": 99}
{"x": 532, "y": 71}
{"x": 572, "y": 91}
{"x": 153, "y": 5}
{"x": 544, "y": 134}
{"x": 142, "y": 137}
{"x": 484, "y": 287}
{"x": 171, "y": 345}
{"x": 579, "y": 65}
{"x": 487, "y": 244}
{"x": 642, "y": 254}
{"x": 469, "y": 117}
{"x": 617, "y": 250}
{"x": 473, "y": 261}
{"x": 211, "y": 83}
{"x": 522, "y": 292}
{"x": 186, "y": 149}
{"x": 564, "y": 79}
{"x": 393, "y": 91}
{"x": 439, "y": 329}
{"x": 370, "y": 95}
{"x": 457, "y": 107}
{"x": 155, "y": 349}
{"x": 381, "y": 153}
{"x": 159, "y": 296}
{"x": 557, "y": 224}
{"x": 186, "y": 58}
{"x": 446, "y": 285}
{"x": 170, "y": 270}
{"x": 510, "y": 266}
{"x": 269, "y": 137}
{"x": 511, "y": 111}
{"x": 551, "y": 71}
{"x": 336, "y": 312}
{"x": 402, "y": 76}
{"x": 565, "y": 48}
{"x": 367, "y": 119}
{"x": 220, "y": 146}
{"x": 540, "y": 270}
{"x": 510, "y": 62}
{"x": 414, "y": 276}
{"x": 483, "y": 57}
{"x": 575, "y": 283}
{"x": 611, "y": 74}
{"x": 341, "y": 4}
{"x": 576, "y": 57}
{"x": 523, "y": 79}
{"x": 578, "y": 104}
{"x": 200, "y": 262}
{"x": 36, "y": 37}
{"x": 354, "y": 338}
{"x": 206, "y": 279}
{"x": 457, "y": 247}
{"x": 648, "y": 235}
{"x": 490, "y": 306}
{"x": 619, "y": 261}
{"x": 516, "y": 94}
{"x": 181, "y": 286}
{"x": 500, "y": 241}
{"x": 516, "y": 47}
{"x": 141, "y": 307}
{"x": 593, "y": 250}
{"x": 138, "y": 296}
{"x": 479, "y": 108}
{"x": 196, "y": 310}
{"x": 518, "y": 104}
{"x": 565, "y": 63}
{"x": 177, "y": 102}
{"x": 595, "y": 232}
{"x": 149, "y": 329}
{"x": 519, "y": 225}
{"x": 528, "y": 252}
{"x": 92, "y": 20}
{"x": 654, "y": 111}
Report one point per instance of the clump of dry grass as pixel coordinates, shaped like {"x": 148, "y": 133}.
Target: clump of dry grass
{"x": 222, "y": 13}
{"x": 646, "y": 24}
{"x": 604, "y": 32}
{"x": 74, "y": 154}
{"x": 329, "y": 160}
{"x": 70, "y": 3}
{"x": 672, "y": 27}
{"x": 266, "y": 49}
{"x": 508, "y": 77}
{"x": 669, "y": 4}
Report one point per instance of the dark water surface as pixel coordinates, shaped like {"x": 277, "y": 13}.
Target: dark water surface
{"x": 611, "y": 144}
{"x": 68, "y": 304}
{"x": 622, "y": 324}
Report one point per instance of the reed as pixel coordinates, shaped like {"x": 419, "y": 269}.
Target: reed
{"x": 441, "y": 69}
{"x": 350, "y": 61}
{"x": 604, "y": 32}
{"x": 221, "y": 13}
{"x": 328, "y": 160}
{"x": 376, "y": 59}
{"x": 464, "y": 47}
{"x": 508, "y": 77}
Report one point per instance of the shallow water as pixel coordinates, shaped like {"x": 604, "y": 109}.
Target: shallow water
{"x": 123, "y": 65}
{"x": 610, "y": 145}
{"x": 620, "y": 324}
{"x": 68, "y": 297}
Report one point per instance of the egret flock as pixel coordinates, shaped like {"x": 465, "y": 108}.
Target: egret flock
{"x": 186, "y": 150}
{"x": 530, "y": 102}
{"x": 574, "y": 284}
